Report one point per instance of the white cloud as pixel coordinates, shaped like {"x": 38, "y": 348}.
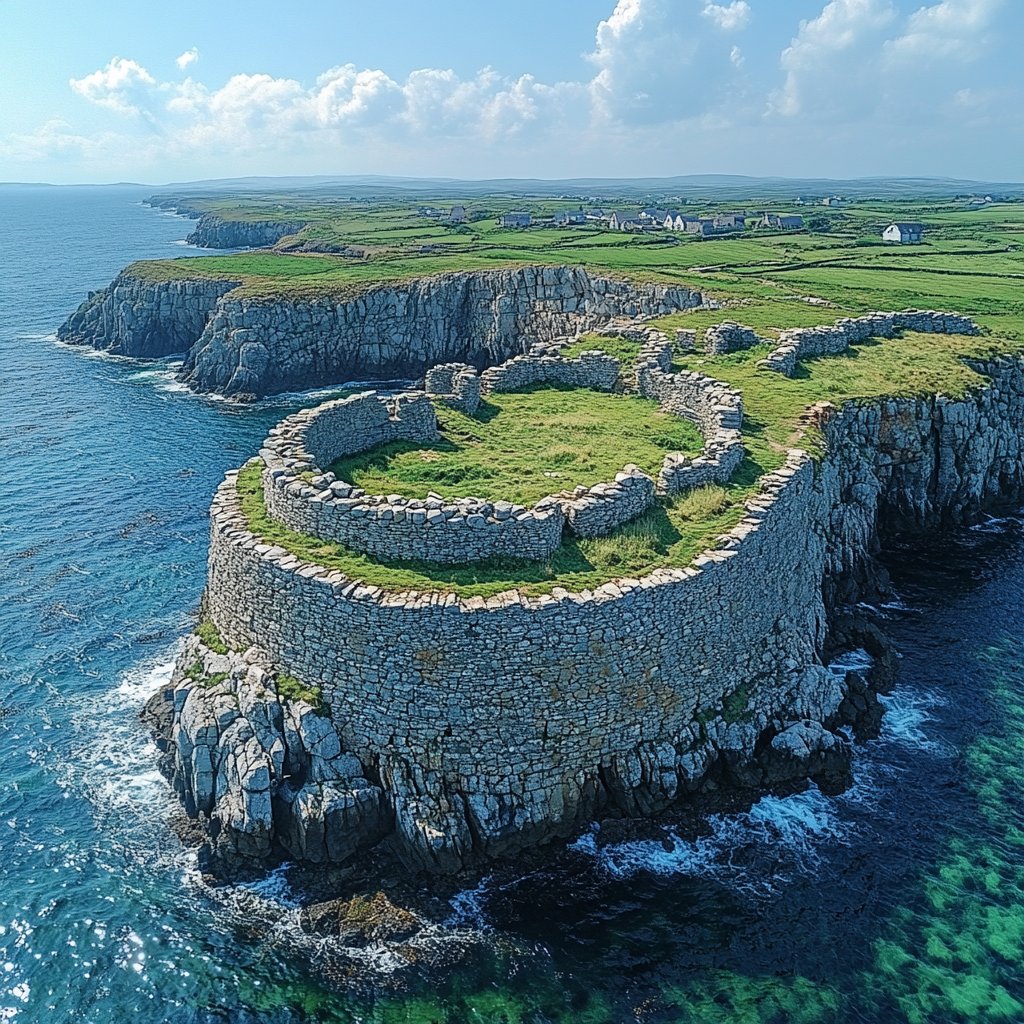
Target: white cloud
{"x": 728, "y": 17}
{"x": 953, "y": 29}
{"x": 658, "y": 62}
{"x": 855, "y": 55}
{"x": 120, "y": 86}
{"x": 667, "y": 77}
{"x": 187, "y": 58}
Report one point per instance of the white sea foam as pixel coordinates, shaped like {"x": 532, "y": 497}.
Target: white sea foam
{"x": 997, "y": 524}
{"x": 857, "y": 660}
{"x": 789, "y": 831}
{"x": 468, "y": 906}
{"x": 908, "y": 711}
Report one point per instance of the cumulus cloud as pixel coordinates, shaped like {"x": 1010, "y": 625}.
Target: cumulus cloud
{"x": 953, "y": 29}
{"x": 666, "y": 76}
{"x": 844, "y": 60}
{"x": 728, "y": 17}
{"x": 187, "y": 58}
{"x": 123, "y": 85}
{"x": 662, "y": 60}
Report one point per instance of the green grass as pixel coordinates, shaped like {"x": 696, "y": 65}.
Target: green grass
{"x": 210, "y": 637}
{"x": 525, "y": 445}
{"x": 289, "y": 688}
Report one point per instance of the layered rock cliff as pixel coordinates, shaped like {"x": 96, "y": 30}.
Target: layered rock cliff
{"x": 242, "y": 345}
{"x": 485, "y": 726}
{"x": 213, "y": 232}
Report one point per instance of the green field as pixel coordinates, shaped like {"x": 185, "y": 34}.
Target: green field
{"x": 524, "y": 446}
{"x": 676, "y": 530}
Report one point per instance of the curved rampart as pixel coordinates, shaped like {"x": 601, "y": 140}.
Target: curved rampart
{"x": 494, "y": 723}
{"x": 806, "y": 342}
{"x": 390, "y": 527}
{"x": 717, "y": 410}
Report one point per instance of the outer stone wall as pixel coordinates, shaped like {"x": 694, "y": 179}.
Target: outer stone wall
{"x": 805, "y": 342}
{"x": 493, "y": 724}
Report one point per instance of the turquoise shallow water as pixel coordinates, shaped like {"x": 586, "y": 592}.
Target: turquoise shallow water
{"x": 899, "y": 900}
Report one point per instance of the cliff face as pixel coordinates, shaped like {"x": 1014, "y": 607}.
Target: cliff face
{"x": 213, "y": 232}
{"x": 483, "y": 727}
{"x": 250, "y": 346}
{"x": 144, "y": 319}
{"x": 400, "y": 330}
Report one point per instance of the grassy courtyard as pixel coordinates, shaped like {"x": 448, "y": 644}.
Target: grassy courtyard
{"x": 524, "y": 445}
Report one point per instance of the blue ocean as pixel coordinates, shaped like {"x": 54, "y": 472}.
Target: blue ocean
{"x": 901, "y": 899}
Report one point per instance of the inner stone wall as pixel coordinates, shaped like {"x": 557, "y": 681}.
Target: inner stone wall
{"x": 390, "y": 527}
{"x": 589, "y": 370}
{"x": 716, "y": 408}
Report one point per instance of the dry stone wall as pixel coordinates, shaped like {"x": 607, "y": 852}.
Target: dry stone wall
{"x": 496, "y": 723}
{"x": 805, "y": 342}
{"x": 730, "y": 337}
{"x": 456, "y": 385}
{"x": 717, "y": 411}
{"x": 589, "y": 370}
{"x": 597, "y": 511}
{"x": 390, "y": 527}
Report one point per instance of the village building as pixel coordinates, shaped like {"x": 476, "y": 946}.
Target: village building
{"x": 621, "y": 220}
{"x": 515, "y": 219}
{"x": 903, "y": 234}
{"x": 781, "y": 222}
{"x": 457, "y": 215}
{"x": 730, "y": 221}
{"x": 564, "y": 217}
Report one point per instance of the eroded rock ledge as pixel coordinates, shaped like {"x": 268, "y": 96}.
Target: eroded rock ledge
{"x": 482, "y": 727}
{"x": 240, "y": 345}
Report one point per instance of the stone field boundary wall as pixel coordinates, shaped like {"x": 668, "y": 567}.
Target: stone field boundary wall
{"x": 804, "y": 342}
{"x": 588, "y": 370}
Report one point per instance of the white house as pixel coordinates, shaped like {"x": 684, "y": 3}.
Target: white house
{"x": 619, "y": 220}
{"x": 903, "y": 234}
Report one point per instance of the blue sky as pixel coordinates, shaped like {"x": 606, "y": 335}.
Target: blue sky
{"x": 127, "y": 91}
